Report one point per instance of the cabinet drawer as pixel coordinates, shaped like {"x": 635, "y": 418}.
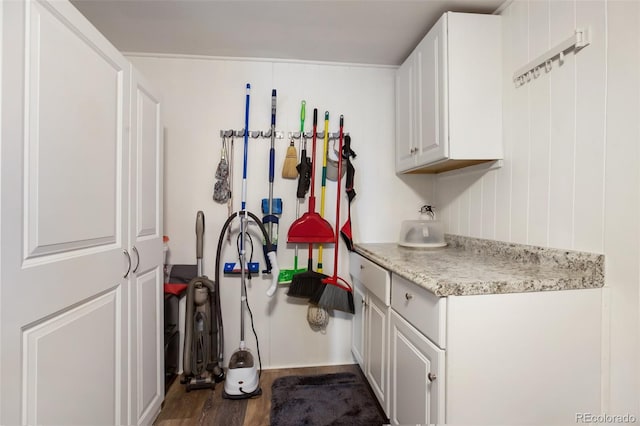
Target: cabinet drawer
{"x": 375, "y": 278}
{"x": 426, "y": 311}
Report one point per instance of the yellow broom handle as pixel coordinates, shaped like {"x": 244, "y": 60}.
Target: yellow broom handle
{"x": 324, "y": 179}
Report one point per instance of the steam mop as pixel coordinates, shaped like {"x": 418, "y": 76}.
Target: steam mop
{"x": 243, "y": 378}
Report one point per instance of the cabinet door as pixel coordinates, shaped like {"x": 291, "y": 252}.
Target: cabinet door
{"x": 416, "y": 392}
{"x": 358, "y": 324}
{"x": 405, "y": 115}
{"x": 145, "y": 237}
{"x": 432, "y": 142}
{"x": 377, "y": 345}
{"x": 65, "y": 103}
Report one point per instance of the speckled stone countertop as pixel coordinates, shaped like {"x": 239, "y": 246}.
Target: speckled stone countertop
{"x": 469, "y": 266}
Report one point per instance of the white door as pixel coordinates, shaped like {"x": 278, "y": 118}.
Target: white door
{"x": 358, "y": 324}
{"x": 431, "y": 71}
{"x": 145, "y": 243}
{"x": 405, "y": 115}
{"x": 63, "y": 219}
{"x": 377, "y": 361}
{"x": 416, "y": 393}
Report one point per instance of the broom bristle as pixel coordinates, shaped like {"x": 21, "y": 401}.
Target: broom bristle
{"x": 289, "y": 170}
{"x": 306, "y": 284}
{"x": 334, "y": 297}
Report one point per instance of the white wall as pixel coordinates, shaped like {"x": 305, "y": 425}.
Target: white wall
{"x": 570, "y": 172}
{"x": 202, "y": 96}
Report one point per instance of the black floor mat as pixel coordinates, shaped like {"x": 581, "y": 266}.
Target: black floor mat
{"x": 326, "y": 399}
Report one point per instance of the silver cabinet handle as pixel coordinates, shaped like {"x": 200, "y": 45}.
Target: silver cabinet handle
{"x": 135, "y": 250}
{"x": 361, "y": 266}
{"x": 431, "y": 377}
{"x": 126, "y": 253}
{"x": 408, "y": 296}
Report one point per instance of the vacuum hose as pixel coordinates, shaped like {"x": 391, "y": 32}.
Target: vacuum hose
{"x": 275, "y": 271}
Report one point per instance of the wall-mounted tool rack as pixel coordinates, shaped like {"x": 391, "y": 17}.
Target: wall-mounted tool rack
{"x": 579, "y": 39}
{"x": 319, "y": 135}
{"x": 252, "y": 134}
{"x": 279, "y": 135}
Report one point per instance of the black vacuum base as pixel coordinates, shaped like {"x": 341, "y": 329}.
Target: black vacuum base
{"x": 243, "y": 395}
{"x": 194, "y": 384}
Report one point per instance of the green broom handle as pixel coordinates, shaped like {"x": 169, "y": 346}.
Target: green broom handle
{"x": 302, "y": 116}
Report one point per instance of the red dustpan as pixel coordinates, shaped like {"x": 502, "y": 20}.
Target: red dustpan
{"x": 311, "y": 227}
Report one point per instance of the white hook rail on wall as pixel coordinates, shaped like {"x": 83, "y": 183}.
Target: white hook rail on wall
{"x": 576, "y": 42}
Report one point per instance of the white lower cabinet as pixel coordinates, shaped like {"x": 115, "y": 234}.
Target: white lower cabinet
{"x": 417, "y": 371}
{"x": 371, "y": 325}
{"x": 376, "y": 331}
{"x": 357, "y": 324}
{"x": 518, "y": 358}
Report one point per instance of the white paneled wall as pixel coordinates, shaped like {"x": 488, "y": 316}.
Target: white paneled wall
{"x": 204, "y": 95}
{"x": 550, "y": 191}
{"x": 570, "y": 173}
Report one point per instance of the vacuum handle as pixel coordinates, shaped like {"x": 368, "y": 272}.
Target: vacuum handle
{"x": 199, "y": 234}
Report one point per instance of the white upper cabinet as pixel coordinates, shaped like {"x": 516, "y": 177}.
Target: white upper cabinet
{"x": 449, "y": 96}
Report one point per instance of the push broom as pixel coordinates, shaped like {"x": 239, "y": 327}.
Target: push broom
{"x": 306, "y": 284}
{"x": 336, "y": 292}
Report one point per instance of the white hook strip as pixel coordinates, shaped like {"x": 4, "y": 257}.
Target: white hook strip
{"x": 580, "y": 39}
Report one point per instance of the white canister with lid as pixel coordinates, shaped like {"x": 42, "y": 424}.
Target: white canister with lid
{"x": 426, "y": 232}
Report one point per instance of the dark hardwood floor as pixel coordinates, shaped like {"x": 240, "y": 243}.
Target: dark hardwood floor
{"x": 182, "y": 408}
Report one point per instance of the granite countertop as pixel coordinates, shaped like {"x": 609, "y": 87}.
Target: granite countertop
{"x": 471, "y": 266}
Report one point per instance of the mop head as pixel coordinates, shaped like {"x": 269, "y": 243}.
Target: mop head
{"x": 317, "y": 317}
{"x": 306, "y": 284}
{"x": 286, "y": 275}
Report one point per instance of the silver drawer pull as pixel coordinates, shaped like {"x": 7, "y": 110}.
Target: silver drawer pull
{"x": 408, "y": 296}
{"x": 431, "y": 377}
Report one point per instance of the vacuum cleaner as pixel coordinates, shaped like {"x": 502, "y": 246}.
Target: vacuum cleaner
{"x": 202, "y": 337}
